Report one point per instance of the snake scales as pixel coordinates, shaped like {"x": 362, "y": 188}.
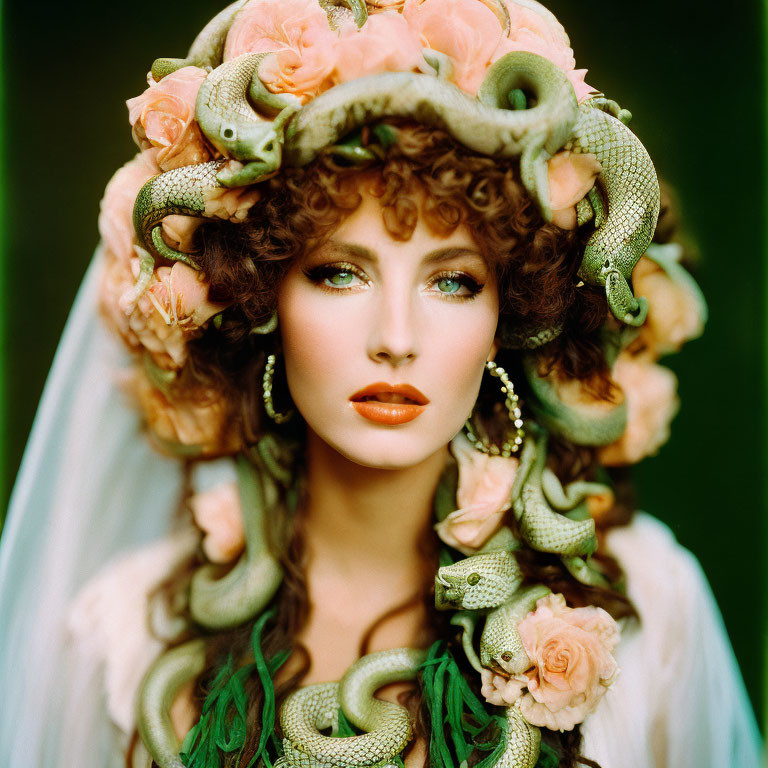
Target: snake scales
{"x": 387, "y": 725}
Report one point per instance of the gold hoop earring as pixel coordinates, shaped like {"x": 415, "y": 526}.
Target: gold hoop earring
{"x": 266, "y": 385}
{"x": 514, "y": 437}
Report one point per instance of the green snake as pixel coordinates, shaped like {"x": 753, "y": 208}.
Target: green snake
{"x": 484, "y": 124}
{"x": 224, "y": 113}
{"x": 488, "y": 584}
{"x": 158, "y": 690}
{"x": 221, "y": 603}
{"x": 541, "y": 527}
{"x": 624, "y": 232}
{"x": 387, "y": 725}
{"x": 580, "y": 423}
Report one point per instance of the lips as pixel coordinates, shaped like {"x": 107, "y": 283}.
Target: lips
{"x": 389, "y": 403}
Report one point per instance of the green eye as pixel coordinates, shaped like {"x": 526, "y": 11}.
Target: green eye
{"x": 340, "y": 278}
{"x": 472, "y": 579}
{"x": 448, "y": 285}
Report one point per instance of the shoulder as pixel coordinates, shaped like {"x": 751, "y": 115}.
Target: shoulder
{"x": 679, "y": 699}
{"x": 109, "y": 623}
{"x": 680, "y": 624}
{"x": 664, "y": 580}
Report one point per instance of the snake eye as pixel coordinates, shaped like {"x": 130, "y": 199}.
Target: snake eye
{"x": 472, "y": 579}
{"x": 228, "y": 133}
{"x": 506, "y": 656}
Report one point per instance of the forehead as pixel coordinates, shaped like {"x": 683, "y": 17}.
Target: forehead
{"x": 372, "y": 223}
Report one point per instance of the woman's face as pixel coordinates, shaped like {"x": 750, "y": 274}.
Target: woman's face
{"x": 385, "y": 342}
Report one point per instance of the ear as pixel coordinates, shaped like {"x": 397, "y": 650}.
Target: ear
{"x": 494, "y": 350}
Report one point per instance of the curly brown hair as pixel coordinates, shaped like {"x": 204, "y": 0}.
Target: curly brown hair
{"x": 423, "y": 174}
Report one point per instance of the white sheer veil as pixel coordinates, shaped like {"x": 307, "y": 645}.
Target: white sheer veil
{"x": 89, "y": 487}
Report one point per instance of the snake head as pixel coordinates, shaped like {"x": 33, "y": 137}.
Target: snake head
{"x": 480, "y": 581}
{"x": 260, "y": 144}
{"x": 510, "y": 661}
{"x": 249, "y": 141}
{"x": 613, "y": 271}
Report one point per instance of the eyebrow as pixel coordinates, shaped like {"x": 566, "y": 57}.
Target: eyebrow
{"x": 433, "y": 257}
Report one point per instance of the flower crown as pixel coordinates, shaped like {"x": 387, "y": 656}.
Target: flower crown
{"x": 288, "y": 80}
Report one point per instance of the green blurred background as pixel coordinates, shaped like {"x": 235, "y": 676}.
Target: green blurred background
{"x": 690, "y": 73}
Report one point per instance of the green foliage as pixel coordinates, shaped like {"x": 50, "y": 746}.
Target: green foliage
{"x": 223, "y": 721}
{"x": 548, "y": 757}
{"x": 453, "y": 707}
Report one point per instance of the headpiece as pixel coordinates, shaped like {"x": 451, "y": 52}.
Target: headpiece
{"x": 272, "y": 84}
{"x": 276, "y": 85}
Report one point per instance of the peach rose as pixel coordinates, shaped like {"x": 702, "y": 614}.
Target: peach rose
{"x": 571, "y": 650}
{"x": 676, "y": 308}
{"x": 180, "y": 294}
{"x": 466, "y": 31}
{"x": 297, "y": 31}
{"x": 179, "y": 232}
{"x": 483, "y": 496}
{"x": 385, "y": 44}
{"x": 600, "y": 504}
{"x": 571, "y": 176}
{"x": 198, "y": 422}
{"x": 142, "y": 327}
{"x": 174, "y": 305}
{"x": 540, "y": 33}
{"x": 651, "y": 394}
{"x": 164, "y": 117}
{"x": 116, "y": 210}
{"x": 231, "y": 204}
{"x": 219, "y": 514}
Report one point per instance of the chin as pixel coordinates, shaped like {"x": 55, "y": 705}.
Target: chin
{"x": 390, "y": 451}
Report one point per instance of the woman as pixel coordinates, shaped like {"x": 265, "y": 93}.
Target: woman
{"x": 429, "y": 247}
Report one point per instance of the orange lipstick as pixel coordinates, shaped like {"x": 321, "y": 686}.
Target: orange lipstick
{"x": 389, "y": 403}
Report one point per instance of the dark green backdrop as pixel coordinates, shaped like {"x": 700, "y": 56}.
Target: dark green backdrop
{"x": 690, "y": 74}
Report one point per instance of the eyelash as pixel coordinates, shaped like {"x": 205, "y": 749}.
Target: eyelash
{"x": 320, "y": 273}
{"x": 472, "y": 285}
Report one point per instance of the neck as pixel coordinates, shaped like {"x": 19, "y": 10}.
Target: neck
{"x": 354, "y": 510}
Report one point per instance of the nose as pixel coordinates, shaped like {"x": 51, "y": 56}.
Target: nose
{"x": 393, "y": 330}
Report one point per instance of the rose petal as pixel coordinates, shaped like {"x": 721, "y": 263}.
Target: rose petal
{"x": 571, "y": 176}
{"x": 651, "y": 395}
{"x": 218, "y": 513}
{"x": 164, "y": 117}
{"x": 466, "y": 31}
{"x": 483, "y": 496}
{"x": 571, "y": 650}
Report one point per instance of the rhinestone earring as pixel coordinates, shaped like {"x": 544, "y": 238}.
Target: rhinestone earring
{"x": 515, "y": 434}
{"x": 269, "y": 406}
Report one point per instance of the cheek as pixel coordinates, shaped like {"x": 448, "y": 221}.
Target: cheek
{"x": 464, "y": 341}
{"x": 315, "y": 340}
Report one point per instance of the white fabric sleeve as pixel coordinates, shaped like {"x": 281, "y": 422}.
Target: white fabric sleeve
{"x": 90, "y": 487}
{"x": 679, "y": 700}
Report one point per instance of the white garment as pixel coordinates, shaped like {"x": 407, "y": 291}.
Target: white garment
{"x": 679, "y": 700}
{"x": 91, "y": 488}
